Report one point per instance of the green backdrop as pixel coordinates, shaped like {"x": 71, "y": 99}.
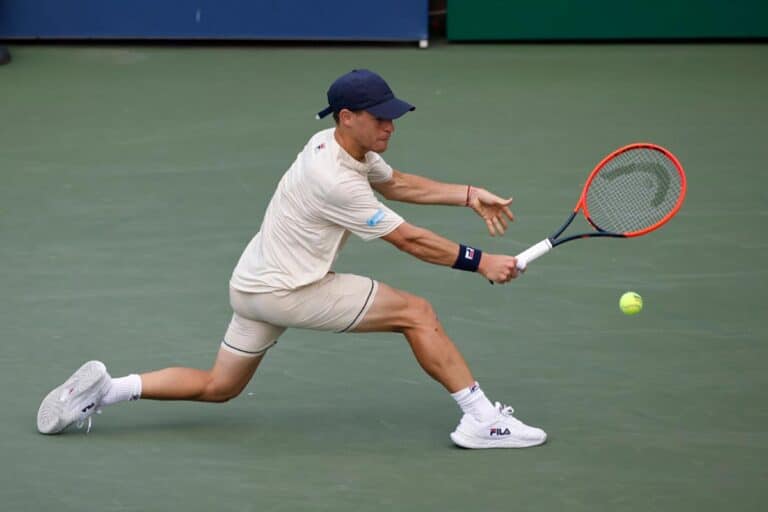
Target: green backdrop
{"x": 606, "y": 19}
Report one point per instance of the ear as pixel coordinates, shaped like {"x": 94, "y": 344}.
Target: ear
{"x": 345, "y": 117}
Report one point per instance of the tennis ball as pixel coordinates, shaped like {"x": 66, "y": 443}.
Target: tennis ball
{"x": 631, "y": 303}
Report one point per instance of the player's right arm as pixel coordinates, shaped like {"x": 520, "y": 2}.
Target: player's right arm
{"x": 433, "y": 248}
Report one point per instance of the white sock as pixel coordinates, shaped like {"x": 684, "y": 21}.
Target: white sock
{"x": 473, "y": 401}
{"x": 122, "y": 390}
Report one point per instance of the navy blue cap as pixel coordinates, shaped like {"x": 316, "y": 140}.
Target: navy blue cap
{"x": 361, "y": 89}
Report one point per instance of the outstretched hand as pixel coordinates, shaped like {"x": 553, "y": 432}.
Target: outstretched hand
{"x": 492, "y": 208}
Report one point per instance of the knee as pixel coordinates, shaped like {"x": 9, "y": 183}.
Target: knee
{"x": 220, "y": 392}
{"x": 421, "y": 314}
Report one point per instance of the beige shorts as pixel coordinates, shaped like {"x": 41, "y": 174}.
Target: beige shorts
{"x": 337, "y": 302}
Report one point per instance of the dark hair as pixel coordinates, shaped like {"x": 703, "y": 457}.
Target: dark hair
{"x": 336, "y": 114}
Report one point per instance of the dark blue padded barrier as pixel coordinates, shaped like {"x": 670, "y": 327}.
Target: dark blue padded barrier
{"x": 335, "y": 20}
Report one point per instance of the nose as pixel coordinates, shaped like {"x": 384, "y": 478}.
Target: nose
{"x": 388, "y": 126}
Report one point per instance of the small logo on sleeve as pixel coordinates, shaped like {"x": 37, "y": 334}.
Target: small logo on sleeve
{"x": 375, "y": 218}
{"x": 319, "y": 147}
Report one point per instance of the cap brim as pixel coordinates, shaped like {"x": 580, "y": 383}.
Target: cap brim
{"x": 390, "y": 109}
{"x": 323, "y": 113}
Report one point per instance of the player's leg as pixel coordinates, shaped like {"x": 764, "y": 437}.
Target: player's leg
{"x": 398, "y": 311}
{"x": 91, "y": 387}
{"x": 346, "y": 302}
{"x": 483, "y": 425}
{"x": 225, "y": 380}
{"x": 244, "y": 345}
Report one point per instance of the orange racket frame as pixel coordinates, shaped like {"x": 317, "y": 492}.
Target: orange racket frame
{"x": 541, "y": 248}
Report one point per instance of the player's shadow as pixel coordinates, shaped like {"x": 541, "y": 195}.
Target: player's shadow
{"x": 291, "y": 430}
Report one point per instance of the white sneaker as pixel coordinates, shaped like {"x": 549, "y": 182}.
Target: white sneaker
{"x": 75, "y": 400}
{"x": 504, "y": 431}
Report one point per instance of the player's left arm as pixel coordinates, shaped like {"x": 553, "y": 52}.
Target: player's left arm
{"x": 411, "y": 188}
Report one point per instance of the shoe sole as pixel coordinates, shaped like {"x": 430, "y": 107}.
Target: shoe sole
{"x": 52, "y": 415}
{"x": 465, "y": 441}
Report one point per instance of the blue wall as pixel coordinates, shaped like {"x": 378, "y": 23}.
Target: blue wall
{"x": 370, "y": 20}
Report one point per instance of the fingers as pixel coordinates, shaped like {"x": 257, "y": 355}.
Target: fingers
{"x": 491, "y": 198}
{"x": 493, "y": 209}
{"x": 511, "y": 264}
{"x": 496, "y": 200}
{"x": 506, "y": 276}
{"x": 499, "y": 225}
{"x": 491, "y": 227}
{"x": 518, "y": 270}
{"x": 503, "y": 222}
{"x": 504, "y": 204}
{"x": 502, "y": 268}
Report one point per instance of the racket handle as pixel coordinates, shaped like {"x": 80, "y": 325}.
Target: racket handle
{"x": 533, "y": 252}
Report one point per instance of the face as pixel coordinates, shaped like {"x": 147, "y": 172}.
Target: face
{"x": 369, "y": 132}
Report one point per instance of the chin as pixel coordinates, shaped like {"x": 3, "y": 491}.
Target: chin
{"x": 380, "y": 147}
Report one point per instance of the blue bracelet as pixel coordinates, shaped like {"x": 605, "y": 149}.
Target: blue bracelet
{"x": 468, "y": 258}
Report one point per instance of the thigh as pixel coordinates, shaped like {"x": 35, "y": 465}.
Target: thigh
{"x": 248, "y": 337}
{"x": 394, "y": 310}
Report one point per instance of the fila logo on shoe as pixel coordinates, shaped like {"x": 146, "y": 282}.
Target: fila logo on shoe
{"x": 499, "y": 432}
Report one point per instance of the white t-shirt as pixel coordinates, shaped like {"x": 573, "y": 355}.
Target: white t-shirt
{"x": 325, "y": 195}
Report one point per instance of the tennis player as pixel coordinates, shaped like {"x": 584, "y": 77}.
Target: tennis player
{"x": 284, "y": 278}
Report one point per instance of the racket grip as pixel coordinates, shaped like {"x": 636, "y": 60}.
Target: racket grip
{"x": 533, "y": 252}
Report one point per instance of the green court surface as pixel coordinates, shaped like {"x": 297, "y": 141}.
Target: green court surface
{"x": 132, "y": 178}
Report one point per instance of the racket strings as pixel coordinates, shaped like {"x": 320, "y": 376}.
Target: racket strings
{"x": 633, "y": 191}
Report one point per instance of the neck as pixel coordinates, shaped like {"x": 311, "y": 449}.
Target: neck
{"x": 349, "y": 145}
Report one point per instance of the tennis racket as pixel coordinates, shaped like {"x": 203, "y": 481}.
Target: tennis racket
{"x": 633, "y": 191}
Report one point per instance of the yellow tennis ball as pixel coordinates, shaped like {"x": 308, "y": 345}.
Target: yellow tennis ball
{"x": 631, "y": 303}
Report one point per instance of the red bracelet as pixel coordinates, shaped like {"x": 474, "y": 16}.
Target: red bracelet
{"x": 469, "y": 187}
